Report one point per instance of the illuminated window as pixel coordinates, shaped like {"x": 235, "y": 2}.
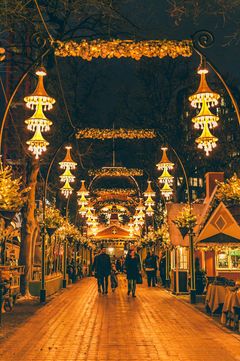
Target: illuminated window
{"x": 183, "y": 258}
{"x": 229, "y": 259}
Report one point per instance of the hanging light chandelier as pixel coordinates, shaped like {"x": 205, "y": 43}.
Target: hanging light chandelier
{"x": 83, "y": 190}
{"x": 38, "y": 123}
{"x": 82, "y": 201}
{"x": 166, "y": 191}
{"x": 206, "y": 141}
{"x": 40, "y": 96}
{"x": 67, "y": 163}
{"x": 149, "y": 191}
{"x": 165, "y": 162}
{"x": 205, "y": 119}
{"x": 205, "y": 116}
{"x": 204, "y": 91}
{"x": 165, "y": 178}
{"x": 37, "y": 144}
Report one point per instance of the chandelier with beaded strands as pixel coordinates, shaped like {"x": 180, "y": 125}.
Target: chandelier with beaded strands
{"x": 204, "y": 98}
{"x": 165, "y": 179}
{"x": 67, "y": 164}
{"x": 139, "y": 215}
{"x": 82, "y": 201}
{"x": 149, "y": 202}
{"x": 39, "y": 101}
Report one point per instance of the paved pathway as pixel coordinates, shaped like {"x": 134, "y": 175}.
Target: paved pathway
{"x": 79, "y": 324}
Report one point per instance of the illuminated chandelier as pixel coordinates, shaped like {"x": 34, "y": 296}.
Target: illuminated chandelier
{"x": 82, "y": 201}
{"x": 89, "y": 213}
{"x": 204, "y": 91}
{"x": 149, "y": 203}
{"x": 166, "y": 191}
{"x": 67, "y": 163}
{"x": 139, "y": 215}
{"x": 165, "y": 178}
{"x": 38, "y": 123}
{"x": 205, "y": 119}
{"x": 206, "y": 141}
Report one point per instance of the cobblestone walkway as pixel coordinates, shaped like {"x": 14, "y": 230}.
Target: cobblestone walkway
{"x": 79, "y": 324}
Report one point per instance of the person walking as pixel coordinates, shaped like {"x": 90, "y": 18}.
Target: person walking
{"x": 94, "y": 269}
{"x": 113, "y": 277}
{"x": 103, "y": 270}
{"x": 133, "y": 269}
{"x": 150, "y": 267}
{"x": 162, "y": 268}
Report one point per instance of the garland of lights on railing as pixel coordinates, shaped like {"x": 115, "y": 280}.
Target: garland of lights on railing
{"x": 116, "y": 48}
{"x": 122, "y": 133}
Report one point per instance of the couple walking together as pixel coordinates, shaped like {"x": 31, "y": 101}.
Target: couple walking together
{"x": 103, "y": 269}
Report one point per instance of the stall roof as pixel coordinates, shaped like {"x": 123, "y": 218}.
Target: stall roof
{"x": 222, "y": 226}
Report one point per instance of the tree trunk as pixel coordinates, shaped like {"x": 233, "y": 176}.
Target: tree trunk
{"x": 29, "y": 229}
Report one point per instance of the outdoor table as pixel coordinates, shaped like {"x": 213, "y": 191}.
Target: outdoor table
{"x": 231, "y": 307}
{"x": 215, "y": 297}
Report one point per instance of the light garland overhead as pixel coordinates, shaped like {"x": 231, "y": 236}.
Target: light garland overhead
{"x": 117, "y": 48}
{"x": 122, "y": 133}
{"x": 205, "y": 119}
{"x": 116, "y": 172}
{"x": 38, "y": 122}
{"x": 67, "y": 163}
{"x": 114, "y": 191}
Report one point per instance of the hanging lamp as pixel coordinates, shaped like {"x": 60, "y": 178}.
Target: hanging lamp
{"x": 167, "y": 191}
{"x": 206, "y": 141}
{"x": 204, "y": 91}
{"x": 40, "y": 96}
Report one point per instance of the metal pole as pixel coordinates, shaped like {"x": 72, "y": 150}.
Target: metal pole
{"x": 43, "y": 289}
{"x": 167, "y": 268}
{"x": 65, "y": 264}
{"x": 192, "y": 268}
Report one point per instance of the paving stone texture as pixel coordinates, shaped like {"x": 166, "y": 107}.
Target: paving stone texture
{"x": 80, "y": 324}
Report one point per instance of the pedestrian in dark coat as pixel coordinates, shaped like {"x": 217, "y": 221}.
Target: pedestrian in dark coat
{"x": 133, "y": 268}
{"x": 94, "y": 269}
{"x": 150, "y": 266}
{"x": 103, "y": 269}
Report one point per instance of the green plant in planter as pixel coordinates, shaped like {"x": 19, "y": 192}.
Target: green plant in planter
{"x": 53, "y": 218}
{"x": 229, "y": 191}
{"x": 13, "y": 195}
{"x": 186, "y": 219}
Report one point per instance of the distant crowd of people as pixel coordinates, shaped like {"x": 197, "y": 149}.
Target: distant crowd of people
{"x": 105, "y": 267}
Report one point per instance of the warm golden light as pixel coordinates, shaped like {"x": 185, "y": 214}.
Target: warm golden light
{"x": 68, "y": 162}
{"x": 38, "y": 119}
{"x": 40, "y": 96}
{"x": 149, "y": 211}
{"x": 67, "y": 176}
{"x": 166, "y": 191}
{"x": 205, "y": 116}
{"x": 165, "y": 162}
{"x": 149, "y": 191}
{"x": 83, "y": 190}
{"x": 37, "y": 144}
{"x": 204, "y": 92}
{"x": 206, "y": 141}
{"x": 66, "y": 190}
{"x": 165, "y": 177}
